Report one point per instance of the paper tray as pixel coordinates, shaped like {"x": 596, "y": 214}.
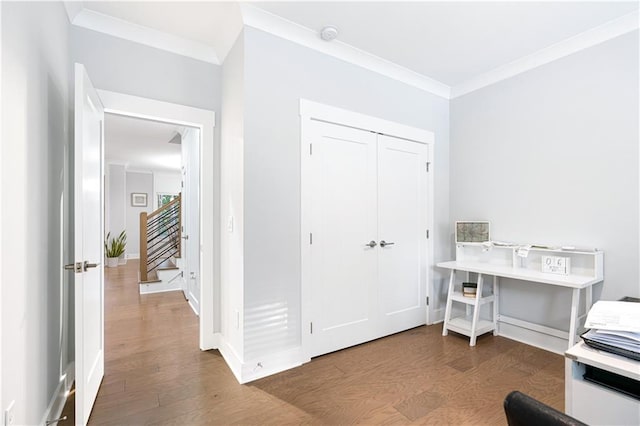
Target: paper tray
{"x": 611, "y": 349}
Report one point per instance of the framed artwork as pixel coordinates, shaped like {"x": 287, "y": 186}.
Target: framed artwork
{"x": 138, "y": 199}
{"x": 472, "y": 232}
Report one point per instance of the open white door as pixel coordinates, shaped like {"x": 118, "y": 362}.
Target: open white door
{"x": 88, "y": 250}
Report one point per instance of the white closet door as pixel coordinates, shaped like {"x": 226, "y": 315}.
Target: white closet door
{"x": 344, "y": 219}
{"x": 402, "y": 221}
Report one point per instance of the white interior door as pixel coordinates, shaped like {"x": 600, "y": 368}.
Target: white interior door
{"x": 191, "y": 215}
{"x": 343, "y": 266}
{"x": 402, "y": 225}
{"x": 185, "y": 235}
{"x": 88, "y": 249}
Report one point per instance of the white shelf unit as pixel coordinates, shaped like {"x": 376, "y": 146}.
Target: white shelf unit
{"x": 469, "y": 324}
{"x": 593, "y": 403}
{"x": 586, "y": 269}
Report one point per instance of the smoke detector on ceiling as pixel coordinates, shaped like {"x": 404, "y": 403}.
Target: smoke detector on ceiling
{"x": 328, "y": 33}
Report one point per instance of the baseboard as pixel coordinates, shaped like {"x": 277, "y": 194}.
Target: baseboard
{"x": 193, "y": 308}
{"x": 231, "y": 358}
{"x": 59, "y": 398}
{"x": 160, "y": 287}
{"x": 132, "y": 255}
{"x": 437, "y": 316}
{"x": 532, "y": 338}
{"x": 271, "y": 364}
{"x": 258, "y": 368}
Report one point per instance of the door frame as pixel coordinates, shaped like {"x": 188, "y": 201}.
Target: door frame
{"x": 151, "y": 109}
{"x": 314, "y": 111}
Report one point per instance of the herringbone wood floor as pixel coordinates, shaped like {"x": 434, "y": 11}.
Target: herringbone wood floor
{"x": 155, "y": 374}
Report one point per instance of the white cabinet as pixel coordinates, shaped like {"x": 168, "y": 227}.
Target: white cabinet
{"x": 594, "y": 403}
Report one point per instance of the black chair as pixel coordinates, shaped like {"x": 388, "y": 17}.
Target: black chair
{"x": 522, "y": 410}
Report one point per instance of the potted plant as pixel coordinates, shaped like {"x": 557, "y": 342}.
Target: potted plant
{"x": 114, "y": 248}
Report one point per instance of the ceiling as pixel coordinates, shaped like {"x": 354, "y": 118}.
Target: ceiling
{"x": 141, "y": 145}
{"x": 450, "y": 42}
{"x": 451, "y": 45}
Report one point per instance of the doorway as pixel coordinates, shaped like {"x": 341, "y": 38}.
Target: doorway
{"x": 152, "y": 169}
{"x": 97, "y": 104}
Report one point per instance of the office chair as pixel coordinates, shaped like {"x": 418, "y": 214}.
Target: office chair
{"x": 522, "y": 410}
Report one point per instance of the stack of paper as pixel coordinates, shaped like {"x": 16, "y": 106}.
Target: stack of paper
{"x": 615, "y": 326}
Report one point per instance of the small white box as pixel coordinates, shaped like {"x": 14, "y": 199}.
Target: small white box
{"x": 556, "y": 265}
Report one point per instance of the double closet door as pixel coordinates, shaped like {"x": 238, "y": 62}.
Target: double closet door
{"x": 369, "y": 236}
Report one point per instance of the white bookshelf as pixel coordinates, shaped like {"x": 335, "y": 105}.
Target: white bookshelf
{"x": 586, "y": 269}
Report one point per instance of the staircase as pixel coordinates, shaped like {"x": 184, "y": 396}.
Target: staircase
{"x": 160, "y": 233}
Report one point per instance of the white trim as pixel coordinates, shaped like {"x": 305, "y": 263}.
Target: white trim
{"x": 309, "y": 111}
{"x": 134, "y": 106}
{"x": 272, "y": 364}
{"x": 139, "y": 34}
{"x": 260, "y": 19}
{"x": 59, "y": 397}
{"x": 132, "y": 255}
{"x": 231, "y": 357}
{"x": 2, "y": 333}
{"x": 248, "y": 371}
{"x": 160, "y": 287}
{"x": 584, "y": 40}
{"x": 532, "y": 338}
{"x": 323, "y": 112}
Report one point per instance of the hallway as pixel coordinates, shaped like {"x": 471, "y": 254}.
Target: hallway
{"x": 156, "y": 374}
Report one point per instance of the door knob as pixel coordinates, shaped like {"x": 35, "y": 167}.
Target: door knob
{"x": 383, "y": 244}
{"x": 88, "y": 265}
{"x": 185, "y": 237}
{"x": 371, "y": 244}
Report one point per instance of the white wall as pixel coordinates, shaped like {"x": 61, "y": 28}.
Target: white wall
{"x": 232, "y": 202}
{"x": 115, "y": 196}
{"x": 138, "y": 182}
{"x": 123, "y": 66}
{"x": 36, "y": 140}
{"x": 165, "y": 183}
{"x": 551, "y": 157}
{"x": 277, "y": 74}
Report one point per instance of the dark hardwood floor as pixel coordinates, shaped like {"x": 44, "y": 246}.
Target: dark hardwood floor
{"x": 155, "y": 374}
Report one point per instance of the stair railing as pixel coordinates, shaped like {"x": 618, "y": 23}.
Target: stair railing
{"x": 160, "y": 233}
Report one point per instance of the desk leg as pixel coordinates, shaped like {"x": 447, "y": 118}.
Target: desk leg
{"x": 575, "y": 303}
{"x": 476, "y": 312}
{"x": 447, "y": 311}
{"x": 496, "y": 295}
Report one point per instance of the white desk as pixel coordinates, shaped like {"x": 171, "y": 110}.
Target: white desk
{"x": 501, "y": 263}
{"x": 595, "y": 404}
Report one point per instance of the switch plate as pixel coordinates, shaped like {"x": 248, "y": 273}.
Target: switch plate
{"x": 9, "y": 414}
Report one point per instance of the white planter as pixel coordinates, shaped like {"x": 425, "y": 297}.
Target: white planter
{"x": 122, "y": 260}
{"x": 112, "y": 262}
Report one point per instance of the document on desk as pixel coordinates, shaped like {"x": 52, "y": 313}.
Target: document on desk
{"x": 615, "y": 316}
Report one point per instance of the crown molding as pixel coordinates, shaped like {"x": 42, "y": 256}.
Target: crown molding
{"x": 95, "y": 21}
{"x": 260, "y": 19}
{"x": 584, "y": 40}
{"x": 72, "y": 8}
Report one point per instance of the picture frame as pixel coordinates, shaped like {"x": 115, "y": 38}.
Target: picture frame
{"x": 472, "y": 231}
{"x": 139, "y": 199}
